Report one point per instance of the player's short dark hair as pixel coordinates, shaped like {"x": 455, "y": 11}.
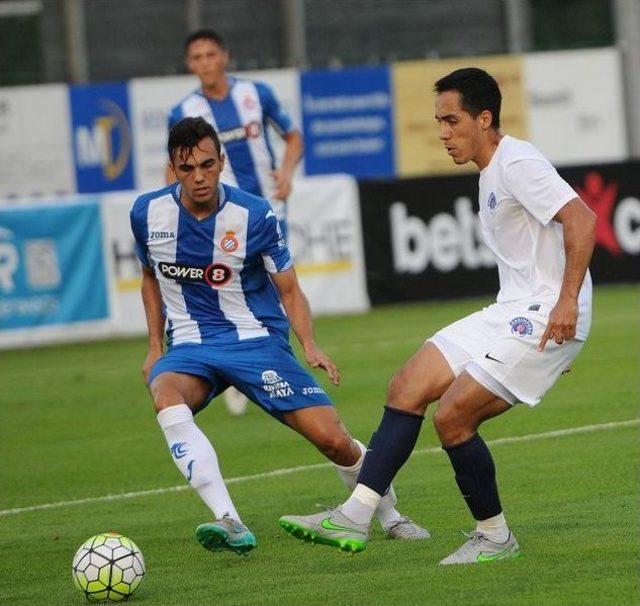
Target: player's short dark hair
{"x": 203, "y": 34}
{"x": 478, "y": 91}
{"x": 186, "y": 134}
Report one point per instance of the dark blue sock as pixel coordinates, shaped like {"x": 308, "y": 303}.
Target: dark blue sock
{"x": 476, "y": 477}
{"x": 389, "y": 448}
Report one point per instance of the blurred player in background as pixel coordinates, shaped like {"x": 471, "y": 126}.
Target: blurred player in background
{"x": 240, "y": 111}
{"x": 215, "y": 269}
{"x": 542, "y": 235}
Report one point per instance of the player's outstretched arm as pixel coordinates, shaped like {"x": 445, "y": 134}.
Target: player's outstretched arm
{"x": 152, "y": 300}
{"x": 299, "y": 313}
{"x": 579, "y": 229}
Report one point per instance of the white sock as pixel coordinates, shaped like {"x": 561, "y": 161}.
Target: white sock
{"x": 361, "y": 505}
{"x": 386, "y": 510}
{"x": 195, "y": 457}
{"x": 495, "y": 528}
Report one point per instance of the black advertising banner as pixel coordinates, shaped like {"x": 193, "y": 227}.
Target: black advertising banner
{"x": 612, "y": 191}
{"x": 422, "y": 237}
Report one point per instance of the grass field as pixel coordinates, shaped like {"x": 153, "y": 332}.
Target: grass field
{"x": 76, "y": 423}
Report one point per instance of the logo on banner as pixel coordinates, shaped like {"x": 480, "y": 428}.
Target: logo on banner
{"x": 102, "y": 137}
{"x": 229, "y": 243}
{"x": 106, "y": 143}
{"x": 617, "y": 227}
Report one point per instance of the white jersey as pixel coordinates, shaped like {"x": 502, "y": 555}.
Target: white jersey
{"x": 520, "y": 193}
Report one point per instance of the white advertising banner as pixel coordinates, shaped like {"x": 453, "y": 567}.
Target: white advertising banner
{"x": 123, "y": 266}
{"x": 325, "y": 238}
{"x": 151, "y": 99}
{"x": 575, "y": 99}
{"x": 35, "y": 141}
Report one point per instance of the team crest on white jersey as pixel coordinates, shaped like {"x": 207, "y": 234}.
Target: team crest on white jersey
{"x": 229, "y": 242}
{"x": 275, "y": 385}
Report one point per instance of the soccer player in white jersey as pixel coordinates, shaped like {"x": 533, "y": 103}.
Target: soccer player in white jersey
{"x": 215, "y": 269}
{"x": 512, "y": 351}
{"x": 240, "y": 111}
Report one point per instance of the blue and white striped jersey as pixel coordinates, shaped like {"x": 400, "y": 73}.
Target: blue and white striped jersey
{"x": 241, "y": 120}
{"x": 213, "y": 274}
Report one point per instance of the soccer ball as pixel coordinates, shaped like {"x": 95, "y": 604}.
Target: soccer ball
{"x": 108, "y": 567}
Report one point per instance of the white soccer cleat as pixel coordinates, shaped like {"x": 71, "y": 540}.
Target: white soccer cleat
{"x": 405, "y": 529}
{"x": 236, "y": 401}
{"x": 481, "y": 549}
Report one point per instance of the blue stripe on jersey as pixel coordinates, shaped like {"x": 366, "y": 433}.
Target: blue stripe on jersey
{"x": 139, "y": 225}
{"x": 239, "y": 154}
{"x": 264, "y": 303}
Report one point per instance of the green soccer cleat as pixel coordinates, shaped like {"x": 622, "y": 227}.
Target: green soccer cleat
{"x": 226, "y": 533}
{"x": 481, "y": 549}
{"x": 330, "y": 527}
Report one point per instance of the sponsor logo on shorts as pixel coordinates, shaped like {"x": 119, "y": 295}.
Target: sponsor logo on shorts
{"x": 309, "y": 391}
{"x": 521, "y": 326}
{"x": 492, "y": 202}
{"x": 229, "y": 243}
{"x": 275, "y": 385}
{"x": 216, "y": 274}
{"x": 534, "y": 307}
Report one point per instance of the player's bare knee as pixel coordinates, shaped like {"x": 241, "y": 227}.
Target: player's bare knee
{"x": 400, "y": 395}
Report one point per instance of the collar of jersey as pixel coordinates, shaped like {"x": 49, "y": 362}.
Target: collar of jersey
{"x": 222, "y": 200}
{"x": 230, "y": 80}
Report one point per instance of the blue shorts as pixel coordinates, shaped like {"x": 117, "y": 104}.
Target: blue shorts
{"x": 265, "y": 370}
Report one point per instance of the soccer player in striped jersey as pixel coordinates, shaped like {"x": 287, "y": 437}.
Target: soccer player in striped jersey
{"x": 215, "y": 269}
{"x": 240, "y": 111}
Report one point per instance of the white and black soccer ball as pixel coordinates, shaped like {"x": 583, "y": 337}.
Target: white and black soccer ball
{"x": 108, "y": 567}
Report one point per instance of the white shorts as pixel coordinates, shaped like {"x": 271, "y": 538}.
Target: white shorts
{"x": 498, "y": 347}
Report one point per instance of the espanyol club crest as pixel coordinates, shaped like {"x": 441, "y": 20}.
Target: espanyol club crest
{"x": 229, "y": 243}
{"x": 249, "y": 102}
{"x": 521, "y": 326}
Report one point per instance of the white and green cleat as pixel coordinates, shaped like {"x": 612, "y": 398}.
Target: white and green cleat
{"x": 405, "y": 529}
{"x": 226, "y": 534}
{"x": 481, "y": 549}
{"x": 331, "y": 528}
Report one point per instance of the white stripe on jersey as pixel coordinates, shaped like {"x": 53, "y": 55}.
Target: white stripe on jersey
{"x": 162, "y": 216}
{"x": 197, "y": 106}
{"x": 247, "y": 101}
{"x": 234, "y": 218}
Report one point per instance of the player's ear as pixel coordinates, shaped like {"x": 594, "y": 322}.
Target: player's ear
{"x": 486, "y": 119}
{"x": 222, "y": 160}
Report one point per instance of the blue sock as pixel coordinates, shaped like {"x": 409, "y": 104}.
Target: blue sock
{"x": 476, "y": 477}
{"x": 389, "y": 448}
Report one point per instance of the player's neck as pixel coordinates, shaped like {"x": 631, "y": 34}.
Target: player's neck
{"x": 485, "y": 152}
{"x": 218, "y": 90}
{"x": 200, "y": 210}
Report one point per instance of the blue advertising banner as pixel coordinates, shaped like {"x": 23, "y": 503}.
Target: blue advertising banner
{"x": 102, "y": 139}
{"x": 51, "y": 266}
{"x": 347, "y": 122}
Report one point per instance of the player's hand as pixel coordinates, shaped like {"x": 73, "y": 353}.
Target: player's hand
{"x": 562, "y": 322}
{"x": 281, "y": 184}
{"x": 317, "y": 359}
{"x": 152, "y": 357}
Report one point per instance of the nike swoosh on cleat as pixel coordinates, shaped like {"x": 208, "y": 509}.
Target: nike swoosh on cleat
{"x": 496, "y": 556}
{"x": 489, "y": 357}
{"x": 327, "y": 525}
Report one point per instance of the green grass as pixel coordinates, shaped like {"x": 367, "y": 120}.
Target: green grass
{"x": 76, "y": 422}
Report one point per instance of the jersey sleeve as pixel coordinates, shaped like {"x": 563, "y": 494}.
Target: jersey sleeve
{"x": 536, "y": 184}
{"x": 273, "y": 110}
{"x": 273, "y": 248}
{"x": 138, "y": 221}
{"x": 174, "y": 115}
